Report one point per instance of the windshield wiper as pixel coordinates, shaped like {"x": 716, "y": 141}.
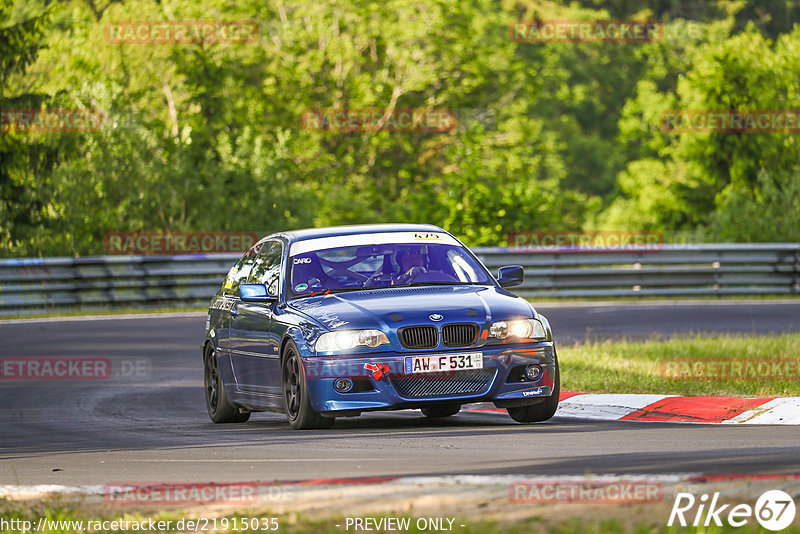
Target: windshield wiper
{"x": 344, "y": 290}
{"x": 436, "y": 283}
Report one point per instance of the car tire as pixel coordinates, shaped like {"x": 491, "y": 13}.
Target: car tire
{"x": 441, "y": 411}
{"x": 219, "y": 407}
{"x": 542, "y": 411}
{"x": 296, "y": 398}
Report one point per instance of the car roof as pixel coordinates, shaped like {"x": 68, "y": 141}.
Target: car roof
{"x": 334, "y": 231}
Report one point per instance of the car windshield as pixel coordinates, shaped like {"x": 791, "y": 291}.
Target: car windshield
{"x": 374, "y": 266}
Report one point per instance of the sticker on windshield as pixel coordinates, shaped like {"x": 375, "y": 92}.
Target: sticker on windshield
{"x": 427, "y": 237}
{"x": 317, "y": 244}
{"x": 299, "y": 288}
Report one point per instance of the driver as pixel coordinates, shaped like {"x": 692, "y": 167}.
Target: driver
{"x": 411, "y": 265}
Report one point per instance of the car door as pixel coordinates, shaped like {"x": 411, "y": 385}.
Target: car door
{"x": 255, "y": 349}
{"x": 228, "y": 302}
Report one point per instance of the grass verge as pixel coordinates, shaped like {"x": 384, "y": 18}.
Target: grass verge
{"x": 689, "y": 365}
{"x": 73, "y": 522}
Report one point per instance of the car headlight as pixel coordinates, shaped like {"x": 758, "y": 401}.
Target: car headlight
{"x": 518, "y": 328}
{"x": 350, "y": 339}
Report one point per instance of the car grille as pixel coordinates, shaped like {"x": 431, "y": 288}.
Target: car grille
{"x": 444, "y": 384}
{"x": 419, "y": 337}
{"x": 459, "y": 334}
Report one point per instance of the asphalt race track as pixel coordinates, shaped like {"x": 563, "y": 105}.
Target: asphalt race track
{"x": 612, "y": 320}
{"x": 152, "y": 426}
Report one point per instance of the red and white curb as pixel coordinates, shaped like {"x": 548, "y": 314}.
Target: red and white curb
{"x": 673, "y": 408}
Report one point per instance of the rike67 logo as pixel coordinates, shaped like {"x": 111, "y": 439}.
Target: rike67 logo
{"x": 774, "y": 510}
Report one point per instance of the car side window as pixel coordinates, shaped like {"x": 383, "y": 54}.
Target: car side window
{"x": 241, "y": 271}
{"x": 267, "y": 266}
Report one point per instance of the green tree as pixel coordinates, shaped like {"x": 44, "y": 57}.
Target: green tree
{"x": 25, "y": 160}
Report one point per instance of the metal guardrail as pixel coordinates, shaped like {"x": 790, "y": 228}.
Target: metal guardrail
{"x": 671, "y": 271}
{"x": 39, "y": 285}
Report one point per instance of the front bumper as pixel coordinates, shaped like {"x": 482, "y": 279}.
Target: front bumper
{"x": 381, "y": 391}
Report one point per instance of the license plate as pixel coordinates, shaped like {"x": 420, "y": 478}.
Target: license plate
{"x": 443, "y": 362}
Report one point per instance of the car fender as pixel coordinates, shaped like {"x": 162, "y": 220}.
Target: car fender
{"x": 296, "y": 334}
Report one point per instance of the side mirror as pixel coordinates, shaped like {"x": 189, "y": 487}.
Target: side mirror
{"x": 255, "y": 293}
{"x": 510, "y": 275}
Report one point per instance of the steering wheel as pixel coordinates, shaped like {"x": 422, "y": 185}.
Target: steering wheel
{"x": 379, "y": 279}
{"x": 411, "y": 275}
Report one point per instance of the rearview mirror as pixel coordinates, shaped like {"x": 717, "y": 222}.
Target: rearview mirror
{"x": 255, "y": 293}
{"x": 510, "y": 275}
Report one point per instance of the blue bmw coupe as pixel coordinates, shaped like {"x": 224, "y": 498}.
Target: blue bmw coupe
{"x": 333, "y": 322}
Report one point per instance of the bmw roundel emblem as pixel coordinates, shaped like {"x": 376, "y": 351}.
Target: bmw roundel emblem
{"x": 436, "y": 317}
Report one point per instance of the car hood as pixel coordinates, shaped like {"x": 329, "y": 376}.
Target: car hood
{"x": 390, "y": 308}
